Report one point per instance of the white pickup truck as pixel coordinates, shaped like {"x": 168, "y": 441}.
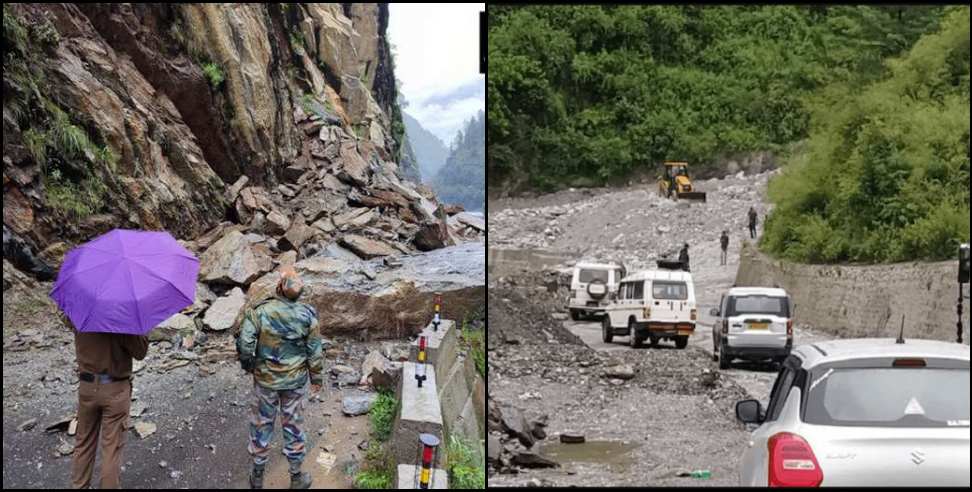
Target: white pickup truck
{"x": 652, "y": 305}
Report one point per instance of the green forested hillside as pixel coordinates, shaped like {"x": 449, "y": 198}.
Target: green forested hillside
{"x": 600, "y": 91}
{"x": 886, "y": 173}
{"x": 462, "y": 179}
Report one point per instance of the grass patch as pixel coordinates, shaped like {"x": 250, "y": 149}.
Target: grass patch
{"x": 476, "y": 343}
{"x": 465, "y": 470}
{"x": 77, "y": 200}
{"x": 214, "y": 73}
{"x": 373, "y": 479}
{"x": 382, "y": 415}
{"x": 378, "y": 468}
{"x": 36, "y": 143}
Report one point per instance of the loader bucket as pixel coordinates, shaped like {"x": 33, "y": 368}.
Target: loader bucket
{"x": 692, "y": 195}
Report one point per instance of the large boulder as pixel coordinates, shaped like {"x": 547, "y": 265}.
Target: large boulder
{"x": 470, "y": 220}
{"x": 432, "y": 235}
{"x": 233, "y": 260}
{"x": 380, "y": 372}
{"x": 367, "y": 248}
{"x": 277, "y": 223}
{"x": 516, "y": 425}
{"x": 355, "y": 169}
{"x": 223, "y": 314}
{"x": 349, "y": 216}
{"x": 296, "y": 235}
{"x": 392, "y": 301}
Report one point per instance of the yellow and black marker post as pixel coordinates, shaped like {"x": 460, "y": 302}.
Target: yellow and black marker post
{"x": 438, "y": 308}
{"x": 420, "y": 367}
{"x": 429, "y": 445}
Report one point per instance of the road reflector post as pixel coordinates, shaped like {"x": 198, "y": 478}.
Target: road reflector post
{"x": 438, "y": 307}
{"x": 420, "y": 367}
{"x": 430, "y": 445}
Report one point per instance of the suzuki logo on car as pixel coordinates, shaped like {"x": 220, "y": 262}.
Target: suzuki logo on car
{"x": 917, "y": 457}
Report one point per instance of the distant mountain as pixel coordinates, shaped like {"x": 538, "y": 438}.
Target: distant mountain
{"x": 429, "y": 151}
{"x": 463, "y": 178}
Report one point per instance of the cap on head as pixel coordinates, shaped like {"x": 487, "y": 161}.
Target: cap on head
{"x": 290, "y": 285}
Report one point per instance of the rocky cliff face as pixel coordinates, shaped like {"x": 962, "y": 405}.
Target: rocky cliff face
{"x": 280, "y": 118}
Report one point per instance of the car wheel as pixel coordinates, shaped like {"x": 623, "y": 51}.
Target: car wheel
{"x": 607, "y": 333}
{"x": 725, "y": 359}
{"x": 633, "y": 339}
{"x": 681, "y": 342}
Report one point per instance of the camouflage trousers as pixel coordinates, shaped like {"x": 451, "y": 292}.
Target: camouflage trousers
{"x": 264, "y": 412}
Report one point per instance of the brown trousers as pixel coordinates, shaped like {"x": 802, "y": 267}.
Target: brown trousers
{"x": 102, "y": 411}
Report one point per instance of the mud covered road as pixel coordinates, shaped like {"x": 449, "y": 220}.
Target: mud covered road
{"x": 676, "y": 415}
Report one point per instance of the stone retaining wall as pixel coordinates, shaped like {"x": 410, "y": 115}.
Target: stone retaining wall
{"x": 865, "y": 301}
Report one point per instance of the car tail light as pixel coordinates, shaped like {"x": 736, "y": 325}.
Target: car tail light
{"x": 792, "y": 463}
{"x": 909, "y": 363}
{"x": 647, "y": 313}
{"x": 725, "y": 326}
{"x": 789, "y": 328}
{"x": 695, "y": 314}
{"x": 573, "y": 294}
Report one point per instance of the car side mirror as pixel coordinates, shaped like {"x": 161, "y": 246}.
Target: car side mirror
{"x": 749, "y": 412}
{"x": 714, "y": 312}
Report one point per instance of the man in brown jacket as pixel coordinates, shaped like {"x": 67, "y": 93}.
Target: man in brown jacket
{"x": 104, "y": 399}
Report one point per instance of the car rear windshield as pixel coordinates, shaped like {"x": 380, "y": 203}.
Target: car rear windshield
{"x": 776, "y": 306}
{"x": 888, "y": 397}
{"x": 669, "y": 291}
{"x": 588, "y": 276}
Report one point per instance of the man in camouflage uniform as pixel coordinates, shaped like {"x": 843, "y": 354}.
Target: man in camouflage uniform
{"x": 279, "y": 344}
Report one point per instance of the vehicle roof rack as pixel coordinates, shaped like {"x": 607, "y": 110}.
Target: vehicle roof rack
{"x": 669, "y": 264}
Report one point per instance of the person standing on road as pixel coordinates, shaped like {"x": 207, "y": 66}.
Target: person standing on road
{"x": 104, "y": 400}
{"x": 683, "y": 257}
{"x": 279, "y": 344}
{"x": 724, "y": 242}
{"x": 752, "y": 222}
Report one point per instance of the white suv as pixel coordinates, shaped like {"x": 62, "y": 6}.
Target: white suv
{"x": 863, "y": 412}
{"x": 652, "y": 305}
{"x": 590, "y": 286}
{"x": 752, "y": 323}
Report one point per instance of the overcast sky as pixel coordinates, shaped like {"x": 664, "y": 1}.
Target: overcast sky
{"x": 437, "y": 60}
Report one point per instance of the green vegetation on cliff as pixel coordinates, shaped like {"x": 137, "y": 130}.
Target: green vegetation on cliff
{"x": 885, "y": 176}
{"x": 597, "y": 92}
{"x": 462, "y": 179}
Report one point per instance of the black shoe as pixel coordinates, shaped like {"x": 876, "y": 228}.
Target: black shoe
{"x": 256, "y": 477}
{"x": 300, "y": 480}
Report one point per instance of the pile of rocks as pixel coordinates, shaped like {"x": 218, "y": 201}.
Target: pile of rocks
{"x": 512, "y": 441}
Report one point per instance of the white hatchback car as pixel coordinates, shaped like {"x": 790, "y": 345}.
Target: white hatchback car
{"x": 863, "y": 412}
{"x": 752, "y": 323}
{"x": 590, "y": 286}
{"x": 652, "y": 305}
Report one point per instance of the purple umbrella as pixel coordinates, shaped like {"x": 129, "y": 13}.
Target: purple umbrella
{"x": 125, "y": 281}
